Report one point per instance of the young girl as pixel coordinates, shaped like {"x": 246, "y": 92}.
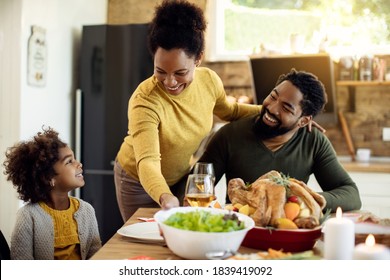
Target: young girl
{"x": 52, "y": 225}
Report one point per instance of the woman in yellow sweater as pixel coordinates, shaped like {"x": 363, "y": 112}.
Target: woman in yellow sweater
{"x": 171, "y": 112}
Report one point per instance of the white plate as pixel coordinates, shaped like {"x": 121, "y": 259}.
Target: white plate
{"x": 366, "y": 228}
{"x": 143, "y": 231}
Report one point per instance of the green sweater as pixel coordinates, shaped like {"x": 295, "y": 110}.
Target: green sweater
{"x": 236, "y": 151}
{"x": 166, "y": 130}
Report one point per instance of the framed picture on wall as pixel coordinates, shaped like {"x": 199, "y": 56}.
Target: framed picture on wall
{"x": 37, "y": 57}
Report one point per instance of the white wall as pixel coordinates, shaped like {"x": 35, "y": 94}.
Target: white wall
{"x": 10, "y": 26}
{"x": 63, "y": 20}
{"x": 24, "y": 108}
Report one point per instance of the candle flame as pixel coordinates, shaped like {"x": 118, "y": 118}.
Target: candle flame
{"x": 339, "y": 213}
{"x": 370, "y": 240}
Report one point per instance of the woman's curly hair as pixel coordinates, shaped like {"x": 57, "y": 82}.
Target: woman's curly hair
{"x": 29, "y": 165}
{"x": 178, "y": 25}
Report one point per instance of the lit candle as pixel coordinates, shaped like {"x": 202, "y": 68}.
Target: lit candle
{"x": 339, "y": 237}
{"x": 371, "y": 251}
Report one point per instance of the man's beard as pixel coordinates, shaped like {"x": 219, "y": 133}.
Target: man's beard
{"x": 264, "y": 131}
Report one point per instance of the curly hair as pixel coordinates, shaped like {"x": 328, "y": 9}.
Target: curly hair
{"x": 314, "y": 94}
{"x": 29, "y": 165}
{"x": 178, "y": 25}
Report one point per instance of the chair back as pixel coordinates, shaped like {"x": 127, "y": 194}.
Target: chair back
{"x": 4, "y": 248}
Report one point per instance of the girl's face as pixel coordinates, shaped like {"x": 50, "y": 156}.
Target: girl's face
{"x": 174, "y": 69}
{"x": 69, "y": 171}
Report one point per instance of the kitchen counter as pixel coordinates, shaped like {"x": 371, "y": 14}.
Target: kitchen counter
{"x": 376, "y": 164}
{"x": 372, "y": 179}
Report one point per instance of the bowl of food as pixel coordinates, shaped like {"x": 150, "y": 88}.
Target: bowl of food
{"x": 192, "y": 232}
{"x": 288, "y": 240}
{"x": 287, "y": 213}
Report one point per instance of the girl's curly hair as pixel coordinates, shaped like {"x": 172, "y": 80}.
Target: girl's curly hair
{"x": 29, "y": 165}
{"x": 178, "y": 25}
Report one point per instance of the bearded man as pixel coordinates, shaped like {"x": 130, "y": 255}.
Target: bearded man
{"x": 276, "y": 140}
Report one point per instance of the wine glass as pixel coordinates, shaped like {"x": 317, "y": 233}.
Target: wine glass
{"x": 199, "y": 190}
{"x": 204, "y": 168}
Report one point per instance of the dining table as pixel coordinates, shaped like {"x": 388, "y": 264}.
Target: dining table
{"x": 120, "y": 247}
{"x": 123, "y": 246}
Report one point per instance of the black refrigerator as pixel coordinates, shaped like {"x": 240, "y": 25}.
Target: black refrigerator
{"x": 114, "y": 59}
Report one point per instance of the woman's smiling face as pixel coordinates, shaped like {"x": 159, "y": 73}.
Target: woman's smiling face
{"x": 174, "y": 69}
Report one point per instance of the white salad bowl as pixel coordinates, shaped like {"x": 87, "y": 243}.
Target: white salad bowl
{"x": 195, "y": 244}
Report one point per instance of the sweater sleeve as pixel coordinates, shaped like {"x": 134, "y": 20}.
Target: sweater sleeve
{"x": 338, "y": 187}
{"x": 88, "y": 230}
{"x": 22, "y": 239}
{"x": 166, "y": 130}
{"x": 146, "y": 143}
{"x": 226, "y": 110}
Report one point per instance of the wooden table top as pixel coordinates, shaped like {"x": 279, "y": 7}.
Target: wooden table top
{"x": 121, "y": 247}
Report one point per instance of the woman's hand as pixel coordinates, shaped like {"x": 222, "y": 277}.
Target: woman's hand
{"x": 315, "y": 124}
{"x": 168, "y": 201}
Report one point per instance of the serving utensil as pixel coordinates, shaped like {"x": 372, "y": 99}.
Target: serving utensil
{"x": 220, "y": 255}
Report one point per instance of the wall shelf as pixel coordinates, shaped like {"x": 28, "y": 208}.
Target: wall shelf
{"x": 362, "y": 83}
{"x": 352, "y": 85}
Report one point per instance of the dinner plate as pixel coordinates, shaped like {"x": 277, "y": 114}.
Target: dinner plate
{"x": 143, "y": 231}
{"x": 366, "y": 228}
{"x": 276, "y": 255}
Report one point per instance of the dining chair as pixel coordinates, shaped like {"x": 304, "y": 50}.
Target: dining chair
{"x": 4, "y": 248}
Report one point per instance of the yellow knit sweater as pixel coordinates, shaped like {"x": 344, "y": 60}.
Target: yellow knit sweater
{"x": 166, "y": 130}
{"x": 66, "y": 238}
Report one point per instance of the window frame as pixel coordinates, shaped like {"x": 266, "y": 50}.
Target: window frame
{"x": 215, "y": 35}
{"x": 215, "y": 39}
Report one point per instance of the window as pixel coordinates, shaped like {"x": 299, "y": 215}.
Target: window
{"x": 238, "y": 28}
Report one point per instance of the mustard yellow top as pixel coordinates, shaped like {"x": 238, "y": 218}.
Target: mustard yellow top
{"x": 164, "y": 130}
{"x": 66, "y": 238}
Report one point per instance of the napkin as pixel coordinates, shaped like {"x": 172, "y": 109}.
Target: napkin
{"x": 146, "y": 219}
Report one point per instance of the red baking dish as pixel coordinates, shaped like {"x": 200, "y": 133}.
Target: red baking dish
{"x": 288, "y": 240}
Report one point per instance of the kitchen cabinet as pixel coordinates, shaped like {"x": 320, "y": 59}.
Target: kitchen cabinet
{"x": 374, "y": 188}
{"x": 374, "y": 191}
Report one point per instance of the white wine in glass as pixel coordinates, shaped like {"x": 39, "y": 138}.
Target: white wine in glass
{"x": 200, "y": 190}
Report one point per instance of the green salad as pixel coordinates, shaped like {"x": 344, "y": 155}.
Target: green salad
{"x": 204, "y": 221}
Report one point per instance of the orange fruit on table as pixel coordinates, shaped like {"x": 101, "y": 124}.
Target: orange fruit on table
{"x": 284, "y": 223}
{"x": 291, "y": 210}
